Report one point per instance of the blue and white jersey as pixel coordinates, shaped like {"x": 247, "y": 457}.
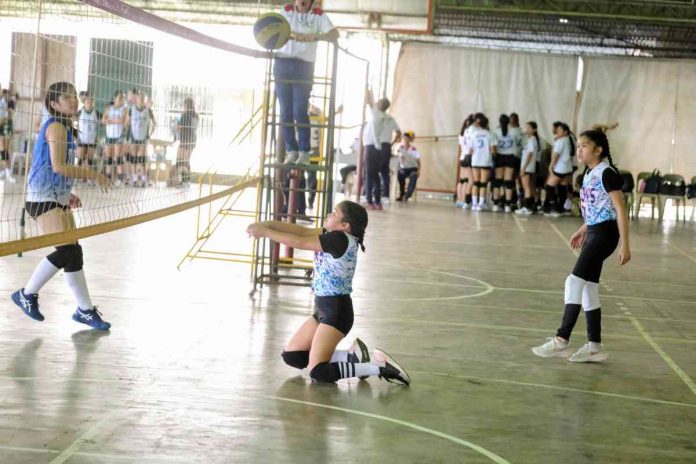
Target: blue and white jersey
{"x": 88, "y": 126}
{"x": 506, "y": 143}
{"x": 139, "y": 123}
{"x": 43, "y": 184}
{"x": 334, "y": 276}
{"x": 115, "y": 131}
{"x": 596, "y": 203}
{"x": 482, "y": 141}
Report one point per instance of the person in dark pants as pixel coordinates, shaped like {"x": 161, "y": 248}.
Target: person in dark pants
{"x": 409, "y": 166}
{"x": 377, "y": 138}
{"x": 605, "y": 228}
{"x": 294, "y": 74}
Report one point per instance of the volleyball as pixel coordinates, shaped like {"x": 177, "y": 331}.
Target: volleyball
{"x": 272, "y": 31}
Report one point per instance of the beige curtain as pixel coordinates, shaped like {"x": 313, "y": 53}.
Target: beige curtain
{"x": 653, "y": 101}
{"x": 436, "y": 86}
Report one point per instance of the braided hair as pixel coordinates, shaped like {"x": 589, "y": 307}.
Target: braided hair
{"x": 356, "y": 216}
{"x": 600, "y": 139}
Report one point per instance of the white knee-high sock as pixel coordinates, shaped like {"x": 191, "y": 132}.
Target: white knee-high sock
{"x": 78, "y": 284}
{"x": 42, "y": 274}
{"x": 341, "y": 356}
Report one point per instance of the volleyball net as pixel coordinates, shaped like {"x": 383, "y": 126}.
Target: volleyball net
{"x": 163, "y": 108}
{"x": 158, "y": 103}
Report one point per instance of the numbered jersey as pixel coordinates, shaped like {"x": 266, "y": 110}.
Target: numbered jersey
{"x": 596, "y": 203}
{"x": 482, "y": 141}
{"x": 506, "y": 144}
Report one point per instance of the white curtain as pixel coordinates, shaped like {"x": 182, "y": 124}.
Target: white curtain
{"x": 437, "y": 86}
{"x": 653, "y": 101}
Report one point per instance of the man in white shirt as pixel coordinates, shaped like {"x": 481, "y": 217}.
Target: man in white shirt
{"x": 378, "y": 140}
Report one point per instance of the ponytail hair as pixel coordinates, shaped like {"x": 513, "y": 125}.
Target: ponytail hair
{"x": 600, "y": 139}
{"x": 533, "y": 125}
{"x": 356, "y": 216}
{"x": 467, "y": 122}
{"x": 571, "y": 138}
{"x": 504, "y": 123}
{"x": 53, "y": 93}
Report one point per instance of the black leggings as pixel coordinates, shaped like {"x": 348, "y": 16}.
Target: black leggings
{"x": 600, "y": 242}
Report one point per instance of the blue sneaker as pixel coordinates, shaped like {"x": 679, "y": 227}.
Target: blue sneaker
{"x": 28, "y": 303}
{"x": 91, "y": 317}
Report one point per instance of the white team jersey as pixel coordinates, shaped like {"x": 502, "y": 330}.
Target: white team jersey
{"x": 313, "y": 22}
{"x": 564, "y": 165}
{"x": 531, "y": 151}
{"x": 87, "y": 126}
{"x": 519, "y": 138}
{"x": 139, "y": 123}
{"x": 506, "y": 143}
{"x": 482, "y": 141}
{"x": 466, "y": 141}
{"x": 114, "y": 131}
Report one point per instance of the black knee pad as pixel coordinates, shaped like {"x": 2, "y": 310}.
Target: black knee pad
{"x": 481, "y": 184}
{"x": 4, "y": 155}
{"x": 325, "y": 372}
{"x": 73, "y": 258}
{"x": 296, "y": 359}
{"x": 510, "y": 184}
{"x": 108, "y": 161}
{"x": 463, "y": 180}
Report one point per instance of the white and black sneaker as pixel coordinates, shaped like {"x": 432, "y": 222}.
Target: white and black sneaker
{"x": 364, "y": 354}
{"x": 392, "y": 372}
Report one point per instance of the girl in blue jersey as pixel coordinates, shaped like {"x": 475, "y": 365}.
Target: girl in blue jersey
{"x": 335, "y": 256}
{"x": 606, "y": 226}
{"x": 49, "y": 202}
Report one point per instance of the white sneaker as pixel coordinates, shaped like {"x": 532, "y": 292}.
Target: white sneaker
{"x": 495, "y": 208}
{"x": 553, "y": 348}
{"x": 303, "y": 158}
{"x": 567, "y": 204}
{"x": 291, "y": 157}
{"x": 508, "y": 209}
{"x": 476, "y": 208}
{"x": 585, "y": 354}
{"x": 459, "y": 204}
{"x": 466, "y": 206}
{"x": 483, "y": 207}
{"x": 523, "y": 212}
{"x": 553, "y": 214}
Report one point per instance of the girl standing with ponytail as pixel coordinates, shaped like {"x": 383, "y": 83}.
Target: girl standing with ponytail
{"x": 528, "y": 168}
{"x": 606, "y": 226}
{"x": 335, "y": 257}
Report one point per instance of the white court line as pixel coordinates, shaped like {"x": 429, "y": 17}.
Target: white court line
{"x": 670, "y": 362}
{"x": 489, "y": 454}
{"x": 680, "y": 251}
{"x": 477, "y": 220}
{"x": 639, "y": 327}
{"x": 555, "y": 387}
{"x": 517, "y": 221}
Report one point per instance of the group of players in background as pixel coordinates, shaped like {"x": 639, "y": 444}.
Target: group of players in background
{"x": 508, "y": 161}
